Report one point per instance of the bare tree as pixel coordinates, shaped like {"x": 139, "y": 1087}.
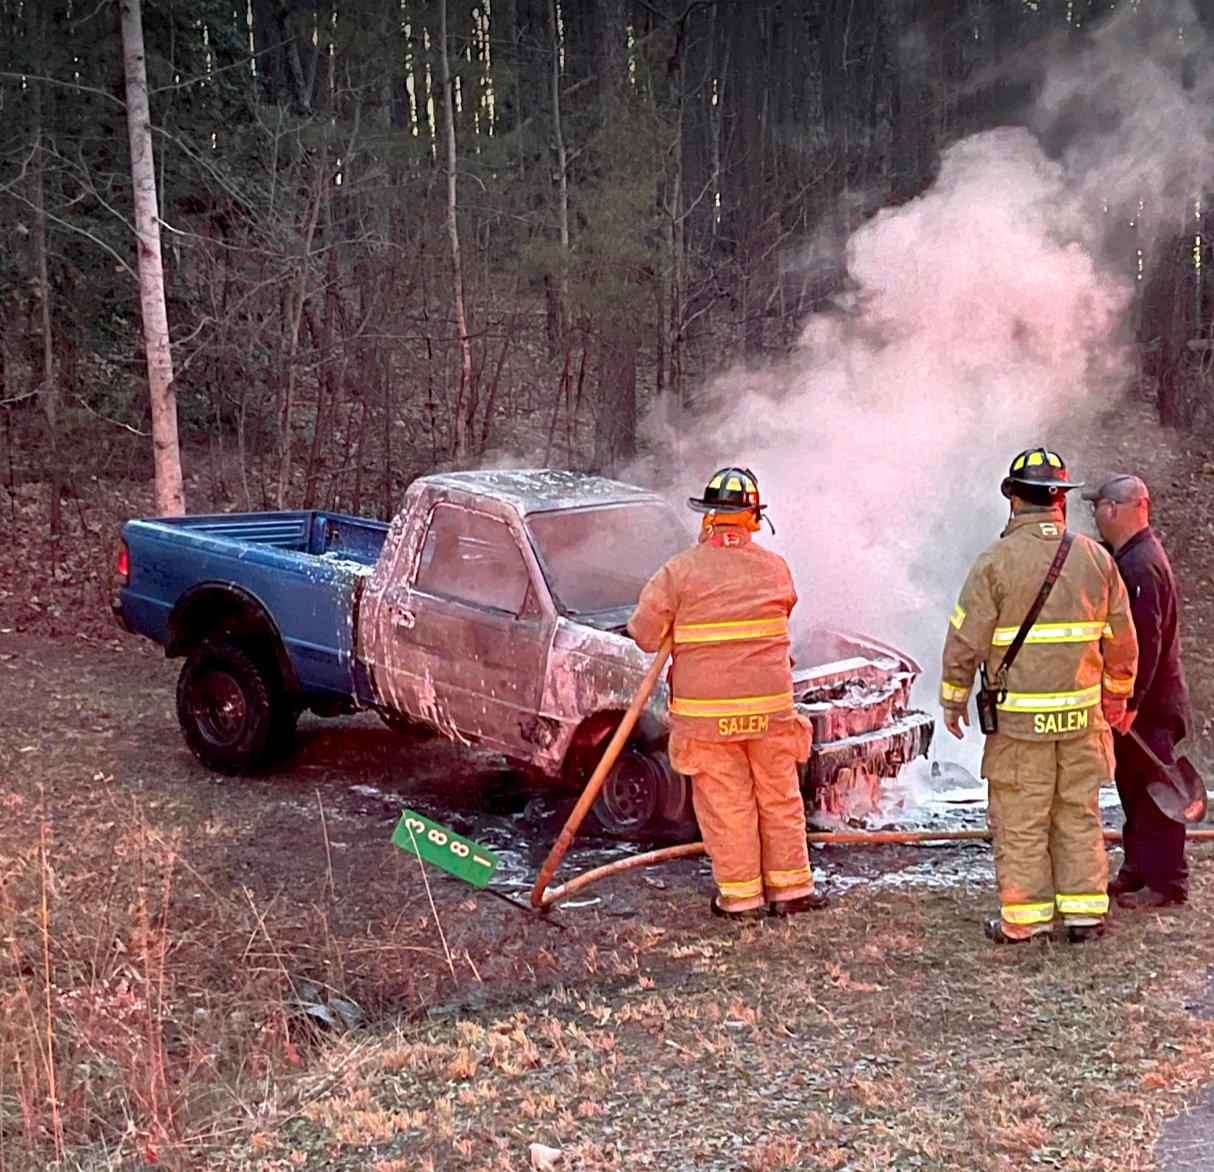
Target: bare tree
{"x": 616, "y": 408}
{"x": 170, "y": 495}
{"x": 457, "y": 268}
{"x": 562, "y": 167}
{"x": 49, "y": 390}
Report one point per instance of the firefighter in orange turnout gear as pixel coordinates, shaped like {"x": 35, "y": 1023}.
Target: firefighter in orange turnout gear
{"x": 734, "y": 729}
{"x": 1067, "y": 684}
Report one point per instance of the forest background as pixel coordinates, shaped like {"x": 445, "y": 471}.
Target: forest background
{"x": 645, "y": 191}
{"x": 645, "y": 194}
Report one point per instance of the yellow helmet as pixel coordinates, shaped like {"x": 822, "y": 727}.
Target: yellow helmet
{"x": 731, "y": 490}
{"x": 1038, "y": 468}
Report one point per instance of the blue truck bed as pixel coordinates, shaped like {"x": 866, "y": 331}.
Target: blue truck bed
{"x": 305, "y": 568}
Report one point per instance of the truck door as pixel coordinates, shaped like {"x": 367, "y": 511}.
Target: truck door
{"x": 472, "y": 634}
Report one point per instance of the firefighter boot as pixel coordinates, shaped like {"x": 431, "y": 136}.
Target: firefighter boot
{"x": 1001, "y": 932}
{"x": 1147, "y": 897}
{"x": 1082, "y": 933}
{"x": 815, "y": 901}
{"x": 1124, "y": 883}
{"x": 750, "y": 913}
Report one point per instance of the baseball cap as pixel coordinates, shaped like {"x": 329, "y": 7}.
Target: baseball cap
{"x": 1121, "y": 489}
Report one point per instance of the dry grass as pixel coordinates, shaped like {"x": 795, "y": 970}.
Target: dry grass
{"x": 160, "y": 925}
{"x": 157, "y": 924}
{"x": 832, "y": 1043}
{"x": 115, "y": 1045}
{"x": 883, "y": 1033}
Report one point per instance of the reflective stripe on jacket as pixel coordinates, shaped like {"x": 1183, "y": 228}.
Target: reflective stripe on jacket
{"x": 1081, "y": 647}
{"x": 727, "y": 602}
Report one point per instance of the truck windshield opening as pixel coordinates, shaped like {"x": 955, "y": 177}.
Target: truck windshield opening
{"x": 598, "y": 559}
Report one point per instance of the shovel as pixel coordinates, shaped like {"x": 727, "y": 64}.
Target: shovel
{"x": 1178, "y": 790}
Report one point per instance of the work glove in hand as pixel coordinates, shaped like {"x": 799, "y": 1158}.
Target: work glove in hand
{"x": 1116, "y": 713}
{"x": 954, "y": 718}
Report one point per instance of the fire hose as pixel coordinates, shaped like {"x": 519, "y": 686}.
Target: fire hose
{"x": 542, "y": 897}
{"x": 539, "y": 895}
{"x": 689, "y": 850}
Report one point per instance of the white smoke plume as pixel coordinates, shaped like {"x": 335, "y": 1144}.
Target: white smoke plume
{"x": 987, "y": 315}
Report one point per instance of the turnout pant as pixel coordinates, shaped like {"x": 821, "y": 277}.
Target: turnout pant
{"x": 1044, "y": 817}
{"x": 747, "y": 798}
{"x": 1154, "y": 844}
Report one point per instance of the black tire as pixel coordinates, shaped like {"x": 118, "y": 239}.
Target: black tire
{"x": 284, "y": 716}
{"x": 676, "y": 815}
{"x": 644, "y": 798}
{"x": 232, "y": 709}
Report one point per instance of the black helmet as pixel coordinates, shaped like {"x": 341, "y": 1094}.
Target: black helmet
{"x": 1038, "y": 468}
{"x": 731, "y": 490}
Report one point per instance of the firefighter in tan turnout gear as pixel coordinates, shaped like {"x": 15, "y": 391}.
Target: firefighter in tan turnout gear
{"x": 1069, "y": 680}
{"x": 733, "y": 726}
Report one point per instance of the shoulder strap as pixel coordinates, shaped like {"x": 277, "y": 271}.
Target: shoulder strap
{"x": 1064, "y": 547}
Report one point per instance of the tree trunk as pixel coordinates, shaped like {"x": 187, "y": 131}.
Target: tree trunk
{"x": 48, "y": 391}
{"x": 676, "y": 269}
{"x": 562, "y": 169}
{"x": 326, "y": 388}
{"x": 460, "y": 452}
{"x": 170, "y": 494}
{"x": 616, "y": 408}
{"x": 612, "y": 21}
{"x": 616, "y": 419}
{"x": 291, "y": 349}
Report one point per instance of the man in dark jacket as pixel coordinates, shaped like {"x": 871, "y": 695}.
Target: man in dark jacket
{"x": 1153, "y": 873}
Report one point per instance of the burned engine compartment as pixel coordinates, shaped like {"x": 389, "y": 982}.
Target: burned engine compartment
{"x": 857, "y": 697}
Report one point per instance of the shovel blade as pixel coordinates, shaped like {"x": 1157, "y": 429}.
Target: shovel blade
{"x": 1179, "y": 792}
{"x": 1177, "y": 789}
{"x": 1194, "y": 785}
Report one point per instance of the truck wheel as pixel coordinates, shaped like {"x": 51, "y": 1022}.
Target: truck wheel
{"x": 644, "y": 798}
{"x": 231, "y": 708}
{"x": 284, "y": 716}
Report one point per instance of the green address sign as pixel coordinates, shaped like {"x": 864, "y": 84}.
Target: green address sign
{"x": 434, "y": 843}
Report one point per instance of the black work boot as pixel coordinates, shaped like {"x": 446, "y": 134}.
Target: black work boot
{"x": 996, "y": 931}
{"x": 1143, "y": 898}
{"x": 1124, "y": 882}
{"x": 815, "y": 901}
{"x": 1082, "y": 933}
{"x": 751, "y": 913}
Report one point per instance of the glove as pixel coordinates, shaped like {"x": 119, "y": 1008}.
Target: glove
{"x": 1116, "y": 712}
{"x": 954, "y": 718}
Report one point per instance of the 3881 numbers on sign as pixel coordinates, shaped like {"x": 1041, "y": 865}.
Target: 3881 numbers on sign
{"x": 437, "y": 844}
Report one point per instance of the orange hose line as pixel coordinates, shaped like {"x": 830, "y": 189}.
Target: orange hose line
{"x": 687, "y": 850}
{"x": 622, "y": 733}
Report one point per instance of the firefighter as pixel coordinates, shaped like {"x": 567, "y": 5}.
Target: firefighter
{"x": 1153, "y": 873}
{"x": 733, "y": 726}
{"x": 1068, "y": 683}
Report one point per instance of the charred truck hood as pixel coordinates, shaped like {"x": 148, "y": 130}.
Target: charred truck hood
{"x": 854, "y": 690}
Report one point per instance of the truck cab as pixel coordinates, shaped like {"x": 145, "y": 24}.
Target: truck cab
{"x": 496, "y": 609}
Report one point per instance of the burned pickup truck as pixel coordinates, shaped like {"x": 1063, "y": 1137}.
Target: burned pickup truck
{"x": 491, "y": 610}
